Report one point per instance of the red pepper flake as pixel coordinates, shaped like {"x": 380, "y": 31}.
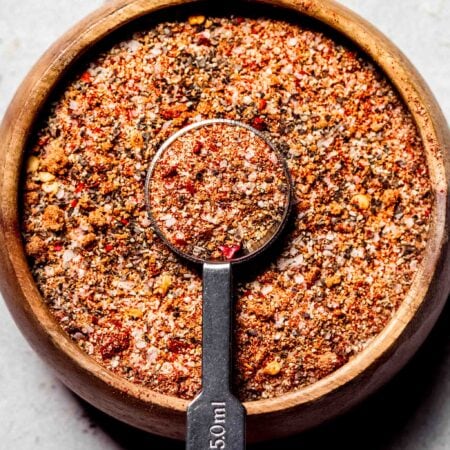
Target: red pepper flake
{"x": 109, "y": 247}
{"x": 124, "y": 221}
{"x": 174, "y": 112}
{"x": 168, "y": 114}
{"x": 132, "y": 114}
{"x": 239, "y": 20}
{"x": 117, "y": 323}
{"x": 262, "y": 104}
{"x": 259, "y": 123}
{"x": 170, "y": 172}
{"x": 57, "y": 247}
{"x": 252, "y": 65}
{"x": 180, "y": 241}
{"x": 86, "y": 77}
{"x": 175, "y": 345}
{"x": 74, "y": 203}
{"x": 228, "y": 251}
{"x": 189, "y": 186}
{"x": 197, "y": 148}
{"x": 203, "y": 40}
{"x": 43, "y": 140}
{"x": 114, "y": 343}
{"x": 80, "y": 186}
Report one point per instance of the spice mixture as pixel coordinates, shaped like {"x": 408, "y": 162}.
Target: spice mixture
{"x": 218, "y": 191}
{"x": 361, "y": 217}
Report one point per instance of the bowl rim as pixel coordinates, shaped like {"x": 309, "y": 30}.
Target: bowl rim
{"x": 28, "y": 306}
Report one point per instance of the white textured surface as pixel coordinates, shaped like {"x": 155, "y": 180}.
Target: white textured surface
{"x": 411, "y": 413}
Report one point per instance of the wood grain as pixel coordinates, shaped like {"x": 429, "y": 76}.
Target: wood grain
{"x": 271, "y": 418}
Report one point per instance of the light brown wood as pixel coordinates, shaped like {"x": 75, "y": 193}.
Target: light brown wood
{"x": 165, "y": 415}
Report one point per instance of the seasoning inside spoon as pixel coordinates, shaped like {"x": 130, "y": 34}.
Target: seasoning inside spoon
{"x": 218, "y": 193}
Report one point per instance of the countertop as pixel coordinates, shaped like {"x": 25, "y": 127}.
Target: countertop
{"x": 411, "y": 413}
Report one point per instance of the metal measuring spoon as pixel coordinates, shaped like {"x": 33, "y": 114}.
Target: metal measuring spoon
{"x": 216, "y": 418}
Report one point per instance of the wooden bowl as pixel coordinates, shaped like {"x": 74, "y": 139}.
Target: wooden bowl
{"x": 165, "y": 415}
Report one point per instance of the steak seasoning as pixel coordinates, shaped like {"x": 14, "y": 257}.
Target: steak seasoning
{"x": 362, "y": 201}
{"x": 218, "y": 191}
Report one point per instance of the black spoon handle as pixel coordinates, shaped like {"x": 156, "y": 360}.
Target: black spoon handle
{"x": 216, "y": 418}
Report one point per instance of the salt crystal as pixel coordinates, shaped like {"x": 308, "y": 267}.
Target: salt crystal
{"x": 155, "y": 51}
{"x": 170, "y": 221}
{"x": 50, "y": 188}
{"x": 266, "y": 290}
{"x": 68, "y": 255}
{"x": 125, "y": 285}
{"x": 279, "y": 323}
{"x": 141, "y": 344}
{"x": 115, "y": 363}
{"x": 357, "y": 252}
{"x": 330, "y": 236}
{"x": 299, "y": 279}
{"x": 132, "y": 45}
{"x": 249, "y": 154}
{"x": 166, "y": 368}
{"x": 73, "y": 105}
{"x": 209, "y": 218}
{"x": 325, "y": 143}
{"x": 145, "y": 221}
{"x": 409, "y": 222}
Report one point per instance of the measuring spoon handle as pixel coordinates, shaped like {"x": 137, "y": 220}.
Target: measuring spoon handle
{"x": 216, "y": 418}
